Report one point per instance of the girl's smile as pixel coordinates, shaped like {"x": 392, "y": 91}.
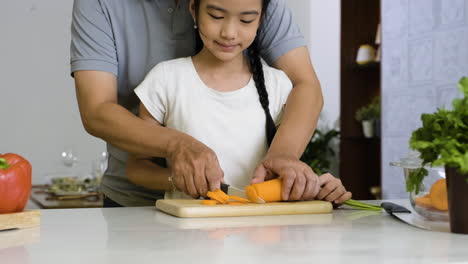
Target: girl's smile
{"x": 227, "y": 47}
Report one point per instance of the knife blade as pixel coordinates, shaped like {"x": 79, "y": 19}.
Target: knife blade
{"x": 405, "y": 215}
{"x": 230, "y": 190}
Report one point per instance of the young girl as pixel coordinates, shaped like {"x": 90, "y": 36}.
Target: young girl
{"x": 223, "y": 97}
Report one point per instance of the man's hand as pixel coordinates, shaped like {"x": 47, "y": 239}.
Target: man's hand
{"x": 299, "y": 180}
{"x": 195, "y": 167}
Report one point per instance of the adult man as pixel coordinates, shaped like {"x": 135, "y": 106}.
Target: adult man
{"x": 114, "y": 45}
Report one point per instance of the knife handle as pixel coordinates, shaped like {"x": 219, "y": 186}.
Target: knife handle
{"x": 224, "y": 187}
{"x": 391, "y": 208}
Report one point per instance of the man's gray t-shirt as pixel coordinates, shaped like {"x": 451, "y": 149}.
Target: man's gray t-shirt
{"x": 129, "y": 37}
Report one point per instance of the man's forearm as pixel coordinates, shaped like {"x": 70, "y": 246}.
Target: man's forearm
{"x": 300, "y": 119}
{"x": 116, "y": 125}
{"x": 303, "y": 106}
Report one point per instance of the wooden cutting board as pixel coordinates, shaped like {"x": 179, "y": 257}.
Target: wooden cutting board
{"x": 23, "y": 219}
{"x": 194, "y": 208}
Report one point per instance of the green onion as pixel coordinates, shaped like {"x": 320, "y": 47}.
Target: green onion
{"x": 362, "y": 206}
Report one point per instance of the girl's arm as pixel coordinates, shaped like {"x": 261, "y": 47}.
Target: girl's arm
{"x": 142, "y": 171}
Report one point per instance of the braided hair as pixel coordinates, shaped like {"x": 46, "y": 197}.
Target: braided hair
{"x": 256, "y": 68}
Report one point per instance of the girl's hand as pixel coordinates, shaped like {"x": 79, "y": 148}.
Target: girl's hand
{"x": 332, "y": 190}
{"x": 299, "y": 180}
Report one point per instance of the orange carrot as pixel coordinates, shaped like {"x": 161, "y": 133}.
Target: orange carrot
{"x": 438, "y": 194}
{"x": 209, "y": 202}
{"x": 217, "y": 197}
{"x": 269, "y": 191}
{"x": 222, "y": 195}
{"x": 423, "y": 201}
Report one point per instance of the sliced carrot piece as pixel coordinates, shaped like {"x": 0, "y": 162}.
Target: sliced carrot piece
{"x": 221, "y": 194}
{"x": 423, "y": 201}
{"x": 209, "y": 202}
{"x": 438, "y": 194}
{"x": 216, "y": 196}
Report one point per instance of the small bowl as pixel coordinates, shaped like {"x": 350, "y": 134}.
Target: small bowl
{"x": 411, "y": 163}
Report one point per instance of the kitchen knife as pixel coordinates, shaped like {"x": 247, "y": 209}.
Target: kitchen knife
{"x": 405, "y": 215}
{"x": 229, "y": 190}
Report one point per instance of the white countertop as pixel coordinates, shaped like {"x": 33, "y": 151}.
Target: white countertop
{"x": 144, "y": 235}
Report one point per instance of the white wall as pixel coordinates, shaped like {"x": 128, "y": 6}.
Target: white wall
{"x": 425, "y": 53}
{"x": 37, "y": 100}
{"x": 320, "y": 23}
{"x": 324, "y": 47}
{"x": 39, "y": 114}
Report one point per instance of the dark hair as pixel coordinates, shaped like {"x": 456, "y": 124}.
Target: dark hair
{"x": 256, "y": 68}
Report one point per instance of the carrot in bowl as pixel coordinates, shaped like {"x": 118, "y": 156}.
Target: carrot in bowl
{"x": 424, "y": 201}
{"x": 438, "y": 194}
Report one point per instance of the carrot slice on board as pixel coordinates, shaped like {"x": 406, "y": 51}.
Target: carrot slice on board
{"x": 217, "y": 197}
{"x": 438, "y": 194}
{"x": 221, "y": 194}
{"x": 209, "y": 202}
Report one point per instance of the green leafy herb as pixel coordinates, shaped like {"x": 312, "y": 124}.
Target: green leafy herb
{"x": 415, "y": 178}
{"x": 443, "y": 138}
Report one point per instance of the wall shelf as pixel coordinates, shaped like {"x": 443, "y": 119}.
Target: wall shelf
{"x": 360, "y": 166}
{"x": 372, "y": 66}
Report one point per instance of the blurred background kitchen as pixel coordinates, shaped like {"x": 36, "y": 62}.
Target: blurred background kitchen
{"x": 416, "y": 60}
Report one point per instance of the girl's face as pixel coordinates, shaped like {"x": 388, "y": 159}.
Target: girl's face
{"x": 227, "y": 27}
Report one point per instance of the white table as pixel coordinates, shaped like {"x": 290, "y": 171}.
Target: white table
{"x": 145, "y": 235}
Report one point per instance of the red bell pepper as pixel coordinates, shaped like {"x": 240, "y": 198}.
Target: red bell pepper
{"x": 15, "y": 183}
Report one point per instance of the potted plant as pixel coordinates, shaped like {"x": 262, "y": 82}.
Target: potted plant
{"x": 443, "y": 141}
{"x": 369, "y": 116}
{"x": 319, "y": 150}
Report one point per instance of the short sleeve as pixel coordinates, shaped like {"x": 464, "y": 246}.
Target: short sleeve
{"x": 92, "y": 42}
{"x": 152, "y": 93}
{"x": 279, "y": 34}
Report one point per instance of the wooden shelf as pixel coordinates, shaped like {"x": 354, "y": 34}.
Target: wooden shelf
{"x": 359, "y": 156}
{"x": 362, "y": 139}
{"x": 372, "y": 66}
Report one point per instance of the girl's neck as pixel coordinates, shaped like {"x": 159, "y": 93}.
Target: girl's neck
{"x": 207, "y": 62}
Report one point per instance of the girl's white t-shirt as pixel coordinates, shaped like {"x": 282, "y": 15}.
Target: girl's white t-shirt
{"x": 232, "y": 123}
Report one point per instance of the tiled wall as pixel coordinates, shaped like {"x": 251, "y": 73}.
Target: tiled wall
{"x": 424, "y": 54}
